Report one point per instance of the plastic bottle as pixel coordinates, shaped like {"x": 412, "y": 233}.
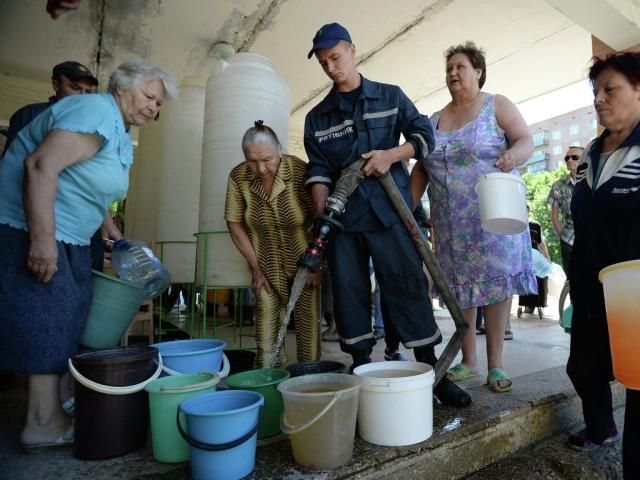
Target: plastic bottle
{"x": 541, "y": 266}
{"x": 135, "y": 262}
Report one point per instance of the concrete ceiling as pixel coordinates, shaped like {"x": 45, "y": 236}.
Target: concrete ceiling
{"x": 532, "y": 47}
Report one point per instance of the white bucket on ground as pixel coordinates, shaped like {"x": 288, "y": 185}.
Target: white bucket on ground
{"x": 396, "y": 403}
{"x": 503, "y": 206}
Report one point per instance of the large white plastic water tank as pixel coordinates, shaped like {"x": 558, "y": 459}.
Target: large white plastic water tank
{"x": 177, "y": 186}
{"x": 242, "y": 89}
{"x": 140, "y": 211}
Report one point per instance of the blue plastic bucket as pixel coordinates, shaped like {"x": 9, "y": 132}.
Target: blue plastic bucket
{"x": 192, "y": 356}
{"x": 222, "y": 433}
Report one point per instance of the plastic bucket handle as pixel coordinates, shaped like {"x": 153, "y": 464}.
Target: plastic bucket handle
{"x": 189, "y": 388}
{"x": 213, "y": 447}
{"x": 289, "y": 429}
{"x": 110, "y": 390}
{"x": 226, "y": 367}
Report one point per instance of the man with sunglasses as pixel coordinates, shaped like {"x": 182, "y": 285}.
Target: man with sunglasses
{"x": 560, "y": 201}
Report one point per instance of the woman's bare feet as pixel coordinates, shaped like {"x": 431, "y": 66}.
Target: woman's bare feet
{"x": 46, "y": 421}
{"x": 45, "y": 432}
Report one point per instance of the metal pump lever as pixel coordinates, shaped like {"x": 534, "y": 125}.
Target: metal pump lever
{"x": 327, "y": 224}
{"x": 421, "y": 244}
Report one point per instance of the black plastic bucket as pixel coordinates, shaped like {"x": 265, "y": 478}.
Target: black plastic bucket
{"x": 240, "y": 360}
{"x": 309, "y": 368}
{"x": 111, "y": 424}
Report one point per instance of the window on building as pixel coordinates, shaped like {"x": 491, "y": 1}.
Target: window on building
{"x": 556, "y": 134}
{"x": 557, "y": 149}
{"x": 536, "y": 167}
{"x": 540, "y": 138}
{"x": 593, "y": 123}
{"x": 574, "y": 129}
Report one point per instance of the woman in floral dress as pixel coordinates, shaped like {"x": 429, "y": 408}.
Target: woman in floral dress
{"x": 476, "y": 133}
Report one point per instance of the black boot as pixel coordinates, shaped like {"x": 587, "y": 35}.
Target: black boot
{"x": 451, "y": 394}
{"x": 447, "y": 392}
{"x": 361, "y": 357}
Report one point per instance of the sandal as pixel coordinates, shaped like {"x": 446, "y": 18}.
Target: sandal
{"x": 64, "y": 440}
{"x": 508, "y": 335}
{"x": 496, "y": 375}
{"x": 460, "y": 372}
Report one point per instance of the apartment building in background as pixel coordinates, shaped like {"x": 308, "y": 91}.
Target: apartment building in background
{"x": 552, "y": 138}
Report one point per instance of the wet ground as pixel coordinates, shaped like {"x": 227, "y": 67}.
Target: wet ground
{"x": 522, "y": 430}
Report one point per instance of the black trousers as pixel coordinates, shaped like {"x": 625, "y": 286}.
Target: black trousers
{"x": 403, "y": 287}
{"x": 631, "y": 438}
{"x": 565, "y": 253}
{"x": 391, "y": 336}
{"x": 590, "y": 369}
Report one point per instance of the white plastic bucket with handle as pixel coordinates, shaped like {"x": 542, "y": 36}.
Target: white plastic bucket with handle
{"x": 403, "y": 391}
{"x": 503, "y": 205}
{"x": 320, "y": 412}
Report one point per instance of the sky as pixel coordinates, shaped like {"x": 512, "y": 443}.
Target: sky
{"x": 558, "y": 102}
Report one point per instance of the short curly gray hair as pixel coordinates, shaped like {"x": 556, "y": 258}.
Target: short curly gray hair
{"x": 132, "y": 72}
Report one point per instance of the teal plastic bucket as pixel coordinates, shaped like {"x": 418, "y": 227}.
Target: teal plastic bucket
{"x": 264, "y": 381}
{"x": 114, "y": 304}
{"x": 165, "y": 395}
{"x": 565, "y": 320}
{"x": 222, "y": 433}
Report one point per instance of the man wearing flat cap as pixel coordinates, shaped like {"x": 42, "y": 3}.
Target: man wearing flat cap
{"x": 67, "y": 78}
{"x": 362, "y": 118}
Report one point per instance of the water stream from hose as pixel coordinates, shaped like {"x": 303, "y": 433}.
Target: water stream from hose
{"x": 296, "y": 290}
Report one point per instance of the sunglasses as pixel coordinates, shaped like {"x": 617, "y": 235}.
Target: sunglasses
{"x": 572, "y": 157}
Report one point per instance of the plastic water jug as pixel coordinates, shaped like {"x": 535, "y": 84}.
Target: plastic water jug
{"x": 541, "y": 266}
{"x": 135, "y": 262}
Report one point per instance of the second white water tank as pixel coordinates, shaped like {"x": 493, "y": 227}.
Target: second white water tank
{"x": 242, "y": 89}
{"x": 178, "y": 178}
{"x": 140, "y": 211}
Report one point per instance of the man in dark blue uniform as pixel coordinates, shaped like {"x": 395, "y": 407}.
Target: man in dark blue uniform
{"x": 361, "y": 118}
{"x": 67, "y": 78}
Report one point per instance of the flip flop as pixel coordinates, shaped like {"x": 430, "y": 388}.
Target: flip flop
{"x": 63, "y": 440}
{"x": 508, "y": 335}
{"x": 69, "y": 406}
{"x": 496, "y": 375}
{"x": 460, "y": 372}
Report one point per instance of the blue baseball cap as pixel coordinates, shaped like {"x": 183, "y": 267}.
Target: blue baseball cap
{"x": 328, "y": 36}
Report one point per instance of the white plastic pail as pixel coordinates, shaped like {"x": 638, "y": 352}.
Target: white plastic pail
{"x": 396, "y": 403}
{"x": 503, "y": 207}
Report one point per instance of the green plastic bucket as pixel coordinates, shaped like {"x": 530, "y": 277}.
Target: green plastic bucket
{"x": 264, "y": 381}
{"x": 165, "y": 394}
{"x": 113, "y": 306}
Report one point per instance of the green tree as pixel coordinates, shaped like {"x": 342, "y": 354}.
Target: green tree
{"x": 538, "y": 187}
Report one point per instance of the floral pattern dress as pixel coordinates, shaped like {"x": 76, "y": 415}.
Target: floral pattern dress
{"x": 481, "y": 268}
